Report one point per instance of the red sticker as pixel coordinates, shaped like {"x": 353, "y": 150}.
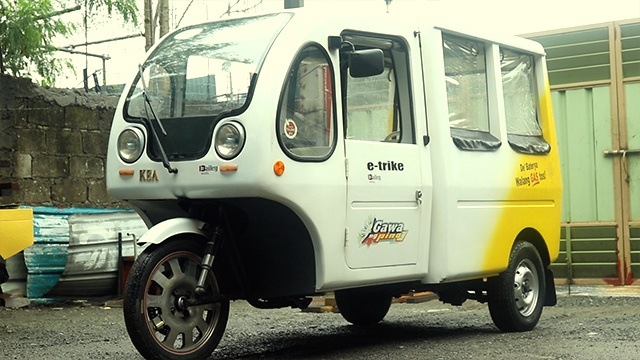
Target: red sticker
{"x": 290, "y": 129}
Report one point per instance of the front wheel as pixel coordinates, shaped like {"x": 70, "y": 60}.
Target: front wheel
{"x": 517, "y": 295}
{"x": 159, "y": 321}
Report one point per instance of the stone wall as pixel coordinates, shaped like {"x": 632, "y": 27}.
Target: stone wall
{"x": 53, "y": 145}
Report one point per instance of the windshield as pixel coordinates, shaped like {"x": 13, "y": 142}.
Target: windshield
{"x": 196, "y": 76}
{"x": 204, "y": 69}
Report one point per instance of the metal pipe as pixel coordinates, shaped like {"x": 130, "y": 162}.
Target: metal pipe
{"x": 104, "y": 57}
{"x": 104, "y": 40}
{"x": 569, "y": 258}
{"x": 622, "y": 152}
{"x": 119, "y": 277}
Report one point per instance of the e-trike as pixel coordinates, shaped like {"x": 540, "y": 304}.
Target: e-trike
{"x": 281, "y": 156}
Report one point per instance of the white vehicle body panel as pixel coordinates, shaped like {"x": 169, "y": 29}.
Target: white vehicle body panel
{"x": 439, "y": 214}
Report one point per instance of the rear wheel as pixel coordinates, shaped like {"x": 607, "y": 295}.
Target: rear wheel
{"x": 159, "y": 321}
{"x": 363, "y": 306}
{"x": 517, "y": 295}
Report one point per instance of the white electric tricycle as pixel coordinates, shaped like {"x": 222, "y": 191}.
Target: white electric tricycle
{"x": 282, "y": 156}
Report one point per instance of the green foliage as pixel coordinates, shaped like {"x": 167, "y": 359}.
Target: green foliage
{"x": 26, "y": 31}
{"x": 126, "y": 8}
{"x": 27, "y": 28}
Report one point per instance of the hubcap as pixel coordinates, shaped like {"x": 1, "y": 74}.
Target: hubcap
{"x": 526, "y": 287}
{"x": 177, "y": 327}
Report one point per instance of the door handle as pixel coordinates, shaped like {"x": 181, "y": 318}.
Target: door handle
{"x": 419, "y": 197}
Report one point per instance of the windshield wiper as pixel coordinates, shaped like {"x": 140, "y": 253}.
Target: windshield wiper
{"x": 148, "y": 107}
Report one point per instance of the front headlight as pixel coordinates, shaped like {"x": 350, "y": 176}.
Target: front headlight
{"x": 130, "y": 144}
{"x": 229, "y": 140}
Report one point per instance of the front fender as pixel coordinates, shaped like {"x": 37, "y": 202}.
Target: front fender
{"x": 168, "y": 228}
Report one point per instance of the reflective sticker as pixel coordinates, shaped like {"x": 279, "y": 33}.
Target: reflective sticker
{"x": 290, "y": 129}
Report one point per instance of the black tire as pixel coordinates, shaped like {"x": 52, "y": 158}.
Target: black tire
{"x": 363, "y": 307}
{"x": 156, "y": 322}
{"x": 517, "y": 295}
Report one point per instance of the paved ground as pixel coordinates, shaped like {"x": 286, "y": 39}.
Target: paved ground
{"x": 591, "y": 323}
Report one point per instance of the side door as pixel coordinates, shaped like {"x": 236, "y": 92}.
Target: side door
{"x": 385, "y": 193}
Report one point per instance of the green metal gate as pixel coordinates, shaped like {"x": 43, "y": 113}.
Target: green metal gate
{"x": 594, "y": 74}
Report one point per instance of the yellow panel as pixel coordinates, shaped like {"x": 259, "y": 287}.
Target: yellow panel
{"x": 542, "y": 194}
{"x": 16, "y": 231}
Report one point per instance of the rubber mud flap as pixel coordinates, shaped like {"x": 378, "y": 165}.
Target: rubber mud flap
{"x": 550, "y": 298}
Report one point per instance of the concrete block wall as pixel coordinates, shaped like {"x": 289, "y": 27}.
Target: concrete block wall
{"x": 53, "y": 145}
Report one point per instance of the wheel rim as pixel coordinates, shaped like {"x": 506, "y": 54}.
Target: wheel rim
{"x": 175, "y": 327}
{"x": 526, "y": 287}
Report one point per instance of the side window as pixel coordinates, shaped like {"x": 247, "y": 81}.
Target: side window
{"x": 521, "y": 103}
{"x": 305, "y": 125}
{"x": 466, "y": 81}
{"x": 371, "y": 107}
{"x": 377, "y": 108}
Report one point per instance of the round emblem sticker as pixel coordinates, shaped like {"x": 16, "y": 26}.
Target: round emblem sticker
{"x": 290, "y": 129}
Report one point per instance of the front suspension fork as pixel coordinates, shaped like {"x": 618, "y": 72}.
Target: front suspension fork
{"x": 210, "y": 251}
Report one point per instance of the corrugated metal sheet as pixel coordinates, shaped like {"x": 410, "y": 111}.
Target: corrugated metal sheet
{"x": 630, "y": 37}
{"x": 632, "y": 91}
{"x": 577, "y": 56}
{"x": 46, "y": 259}
{"x": 93, "y": 259}
{"x": 596, "y": 108}
{"x": 75, "y": 252}
{"x": 635, "y": 250}
{"x": 17, "y": 274}
{"x": 587, "y": 252}
{"x": 584, "y": 133}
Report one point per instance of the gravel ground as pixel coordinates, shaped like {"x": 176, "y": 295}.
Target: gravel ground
{"x": 579, "y": 327}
